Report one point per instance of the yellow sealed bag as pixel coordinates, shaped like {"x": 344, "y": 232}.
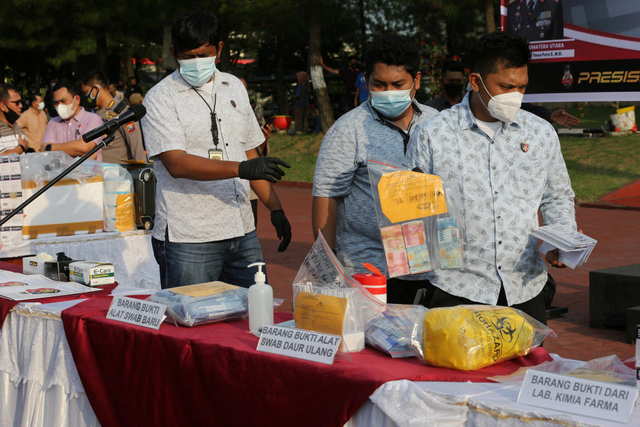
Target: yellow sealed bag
{"x": 470, "y": 337}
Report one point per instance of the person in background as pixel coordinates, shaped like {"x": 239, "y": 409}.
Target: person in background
{"x": 452, "y": 81}
{"x": 317, "y": 123}
{"x": 33, "y": 121}
{"x": 132, "y": 87}
{"x": 362, "y": 93}
{"x": 343, "y": 206}
{"x": 508, "y": 166}
{"x": 64, "y": 133}
{"x": 136, "y": 98}
{"x": 117, "y": 95}
{"x": 12, "y": 138}
{"x": 349, "y": 76}
{"x": 257, "y": 110}
{"x": 301, "y": 97}
{"x": 202, "y": 135}
{"x": 128, "y": 143}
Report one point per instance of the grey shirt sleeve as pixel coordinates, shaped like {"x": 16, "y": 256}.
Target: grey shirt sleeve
{"x": 336, "y": 165}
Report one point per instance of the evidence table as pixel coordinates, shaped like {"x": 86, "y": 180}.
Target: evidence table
{"x": 130, "y": 253}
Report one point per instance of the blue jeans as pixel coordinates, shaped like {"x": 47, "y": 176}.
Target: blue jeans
{"x": 183, "y": 264}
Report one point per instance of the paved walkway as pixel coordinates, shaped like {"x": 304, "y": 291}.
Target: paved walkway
{"x": 617, "y": 232}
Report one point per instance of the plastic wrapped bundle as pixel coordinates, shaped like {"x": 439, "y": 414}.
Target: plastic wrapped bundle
{"x": 387, "y": 330}
{"x": 470, "y": 337}
{"x": 204, "y": 303}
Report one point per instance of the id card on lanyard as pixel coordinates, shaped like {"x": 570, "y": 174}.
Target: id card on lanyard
{"x": 214, "y": 153}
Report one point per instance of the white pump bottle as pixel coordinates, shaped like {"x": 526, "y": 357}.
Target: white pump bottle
{"x": 260, "y": 302}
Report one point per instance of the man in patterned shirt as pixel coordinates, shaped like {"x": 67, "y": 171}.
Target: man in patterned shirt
{"x": 507, "y": 165}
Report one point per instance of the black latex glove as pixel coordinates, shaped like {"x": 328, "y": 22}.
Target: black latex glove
{"x": 283, "y": 228}
{"x": 417, "y": 169}
{"x": 262, "y": 168}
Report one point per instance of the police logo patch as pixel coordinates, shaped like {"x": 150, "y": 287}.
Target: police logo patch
{"x": 131, "y": 127}
{"x": 524, "y": 147}
{"x": 233, "y": 103}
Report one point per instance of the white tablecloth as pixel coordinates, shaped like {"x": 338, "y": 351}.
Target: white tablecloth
{"x": 40, "y": 386}
{"x": 131, "y": 254}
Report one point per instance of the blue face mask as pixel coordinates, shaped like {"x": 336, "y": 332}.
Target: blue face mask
{"x": 391, "y": 103}
{"x": 197, "y": 71}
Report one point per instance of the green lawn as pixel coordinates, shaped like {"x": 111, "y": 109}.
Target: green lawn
{"x": 596, "y": 165}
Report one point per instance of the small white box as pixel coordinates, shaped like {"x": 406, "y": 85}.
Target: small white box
{"x": 92, "y": 273}
{"x": 33, "y": 264}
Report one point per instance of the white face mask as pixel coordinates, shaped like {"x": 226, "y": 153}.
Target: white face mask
{"x": 65, "y": 111}
{"x": 503, "y": 107}
{"x": 41, "y": 106}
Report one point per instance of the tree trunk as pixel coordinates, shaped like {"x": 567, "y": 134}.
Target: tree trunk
{"x": 363, "y": 29}
{"x": 167, "y": 60}
{"x": 488, "y": 12}
{"x": 225, "y": 55}
{"x": 130, "y": 72}
{"x": 280, "y": 98}
{"x": 317, "y": 78}
{"x": 101, "y": 50}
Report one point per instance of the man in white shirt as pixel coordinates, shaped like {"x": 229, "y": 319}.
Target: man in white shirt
{"x": 202, "y": 133}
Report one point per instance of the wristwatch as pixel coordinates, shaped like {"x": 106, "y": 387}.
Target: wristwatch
{"x": 24, "y": 150}
{"x": 48, "y": 147}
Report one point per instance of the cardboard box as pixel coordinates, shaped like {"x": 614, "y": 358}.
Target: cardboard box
{"x": 69, "y": 207}
{"x": 33, "y": 265}
{"x": 91, "y": 273}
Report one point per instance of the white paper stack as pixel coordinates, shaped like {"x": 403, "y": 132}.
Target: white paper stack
{"x": 575, "y": 247}
{"x": 10, "y": 198}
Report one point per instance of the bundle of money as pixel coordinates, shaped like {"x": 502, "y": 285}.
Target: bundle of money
{"x": 394, "y": 250}
{"x": 416, "y": 243}
{"x": 449, "y": 243}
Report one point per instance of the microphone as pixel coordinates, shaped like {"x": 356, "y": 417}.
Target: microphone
{"x": 133, "y": 114}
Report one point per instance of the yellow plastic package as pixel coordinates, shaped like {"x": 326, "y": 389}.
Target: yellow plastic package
{"x": 470, "y": 337}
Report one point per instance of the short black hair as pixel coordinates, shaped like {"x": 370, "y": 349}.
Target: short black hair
{"x": 499, "y": 49}
{"x": 4, "y": 92}
{"x": 194, "y": 29}
{"x": 66, "y": 84}
{"x": 96, "y": 78}
{"x": 453, "y": 66}
{"x": 393, "y": 50}
{"x": 33, "y": 97}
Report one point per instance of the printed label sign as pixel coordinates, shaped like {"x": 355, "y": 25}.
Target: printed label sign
{"x": 300, "y": 344}
{"x": 137, "y": 312}
{"x": 595, "y": 399}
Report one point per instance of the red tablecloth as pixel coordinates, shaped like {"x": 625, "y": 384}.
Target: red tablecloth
{"x": 212, "y": 375}
{"x": 6, "y": 305}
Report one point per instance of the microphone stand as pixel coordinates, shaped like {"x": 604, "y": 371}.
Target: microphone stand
{"x": 106, "y": 141}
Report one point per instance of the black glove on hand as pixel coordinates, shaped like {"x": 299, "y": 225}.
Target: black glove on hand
{"x": 283, "y": 228}
{"x": 262, "y": 168}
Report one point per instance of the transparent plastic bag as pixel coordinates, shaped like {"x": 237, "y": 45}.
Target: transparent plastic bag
{"x": 420, "y": 219}
{"x": 118, "y": 197}
{"x": 471, "y": 337}
{"x": 389, "y": 330}
{"x": 205, "y": 303}
{"x": 73, "y": 206}
{"x": 606, "y": 369}
{"x": 322, "y": 274}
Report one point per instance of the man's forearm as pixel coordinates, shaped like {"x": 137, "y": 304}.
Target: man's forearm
{"x": 179, "y": 164}
{"x": 73, "y": 148}
{"x": 267, "y": 195}
{"x": 324, "y": 214}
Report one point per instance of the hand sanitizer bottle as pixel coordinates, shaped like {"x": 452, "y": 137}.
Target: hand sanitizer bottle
{"x": 260, "y": 302}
